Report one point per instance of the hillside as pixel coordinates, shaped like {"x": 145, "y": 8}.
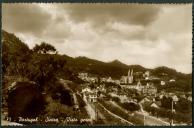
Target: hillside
{"x": 115, "y": 69}
{"x": 13, "y": 43}
{"x": 183, "y": 81}
{"x": 14, "y": 50}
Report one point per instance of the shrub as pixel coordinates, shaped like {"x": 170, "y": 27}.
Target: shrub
{"x": 130, "y": 106}
{"x": 55, "y": 109}
{"x": 116, "y": 99}
{"x": 80, "y": 101}
{"x": 166, "y": 113}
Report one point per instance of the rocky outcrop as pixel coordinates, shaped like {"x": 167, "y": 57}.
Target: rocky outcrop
{"x": 24, "y": 100}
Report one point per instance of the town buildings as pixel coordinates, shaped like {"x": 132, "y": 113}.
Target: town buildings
{"x": 127, "y": 79}
{"x": 90, "y": 95}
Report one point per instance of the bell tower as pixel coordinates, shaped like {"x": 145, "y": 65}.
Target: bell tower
{"x": 130, "y": 76}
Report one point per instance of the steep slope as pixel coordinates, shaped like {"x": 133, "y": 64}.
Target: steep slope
{"x": 14, "y": 50}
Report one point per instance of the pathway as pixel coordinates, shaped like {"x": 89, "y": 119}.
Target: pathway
{"x": 149, "y": 120}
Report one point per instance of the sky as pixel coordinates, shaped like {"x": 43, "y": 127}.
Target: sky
{"x": 150, "y": 35}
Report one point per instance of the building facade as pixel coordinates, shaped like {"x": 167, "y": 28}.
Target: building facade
{"x": 127, "y": 79}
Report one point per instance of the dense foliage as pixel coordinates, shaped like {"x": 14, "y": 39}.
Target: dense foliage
{"x": 15, "y": 54}
{"x": 39, "y": 65}
{"x": 183, "y": 105}
{"x": 164, "y": 113}
{"x": 130, "y": 106}
{"x": 183, "y": 81}
{"x": 36, "y": 65}
{"x": 44, "y": 48}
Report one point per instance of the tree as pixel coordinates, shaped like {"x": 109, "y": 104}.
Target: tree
{"x": 131, "y": 106}
{"x": 5, "y": 61}
{"x": 43, "y": 68}
{"x": 183, "y": 105}
{"x": 44, "y": 48}
{"x": 116, "y": 99}
{"x": 55, "y": 109}
{"x": 166, "y": 102}
{"x": 15, "y": 54}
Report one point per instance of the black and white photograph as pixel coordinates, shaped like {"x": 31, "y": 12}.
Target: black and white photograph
{"x": 107, "y": 64}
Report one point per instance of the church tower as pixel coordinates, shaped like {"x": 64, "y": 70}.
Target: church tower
{"x": 130, "y": 76}
{"x": 129, "y": 73}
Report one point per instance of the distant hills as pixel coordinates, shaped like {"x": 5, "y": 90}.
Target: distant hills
{"x": 115, "y": 68}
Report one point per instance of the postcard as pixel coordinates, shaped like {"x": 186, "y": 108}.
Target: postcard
{"x": 123, "y": 64}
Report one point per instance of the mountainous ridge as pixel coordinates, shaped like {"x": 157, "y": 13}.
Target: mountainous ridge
{"x": 115, "y": 68}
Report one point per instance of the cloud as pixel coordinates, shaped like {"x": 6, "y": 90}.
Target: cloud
{"x": 26, "y": 18}
{"x": 147, "y": 34}
{"x": 100, "y": 14}
{"x": 35, "y": 21}
{"x": 56, "y": 32}
{"x": 127, "y": 32}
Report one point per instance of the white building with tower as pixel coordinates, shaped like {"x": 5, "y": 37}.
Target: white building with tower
{"x": 127, "y": 79}
{"x": 130, "y": 76}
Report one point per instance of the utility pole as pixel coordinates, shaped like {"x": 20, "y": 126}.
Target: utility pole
{"x": 96, "y": 113}
{"x": 172, "y": 113}
{"x": 174, "y": 100}
{"x": 143, "y": 118}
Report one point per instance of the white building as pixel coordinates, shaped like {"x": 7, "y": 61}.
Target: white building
{"x": 123, "y": 80}
{"x": 146, "y": 75}
{"x": 139, "y": 83}
{"x": 189, "y": 98}
{"x": 127, "y": 79}
{"x": 86, "y": 90}
{"x": 103, "y": 79}
{"x": 130, "y": 76}
{"x": 172, "y": 80}
{"x": 83, "y": 75}
{"x": 149, "y": 89}
{"x": 90, "y": 95}
{"x": 162, "y": 82}
{"x": 102, "y": 88}
{"x": 109, "y": 80}
{"x": 117, "y": 82}
{"x": 93, "y": 97}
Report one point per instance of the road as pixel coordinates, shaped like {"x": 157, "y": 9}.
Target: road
{"x": 149, "y": 120}
{"x": 90, "y": 110}
{"x": 113, "y": 117}
{"x": 93, "y": 111}
{"x": 97, "y": 112}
